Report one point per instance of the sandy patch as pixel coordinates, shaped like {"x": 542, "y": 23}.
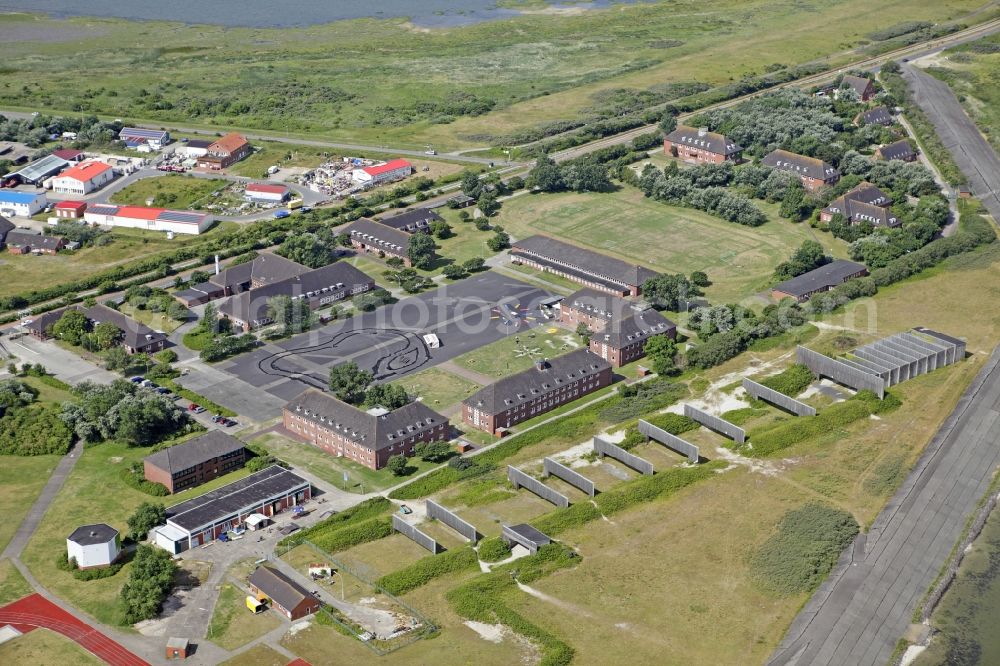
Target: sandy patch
{"x": 911, "y": 654}
{"x": 764, "y": 467}
{"x": 297, "y": 627}
{"x": 494, "y": 633}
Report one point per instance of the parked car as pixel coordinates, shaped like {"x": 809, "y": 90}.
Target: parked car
{"x": 192, "y": 407}
{"x": 281, "y": 214}
{"x": 229, "y": 423}
{"x": 136, "y": 380}
{"x": 162, "y": 390}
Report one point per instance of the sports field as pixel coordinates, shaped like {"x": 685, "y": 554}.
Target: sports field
{"x": 670, "y": 239}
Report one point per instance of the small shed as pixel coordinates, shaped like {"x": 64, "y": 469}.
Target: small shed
{"x": 320, "y": 570}
{"x": 256, "y": 521}
{"x": 177, "y": 648}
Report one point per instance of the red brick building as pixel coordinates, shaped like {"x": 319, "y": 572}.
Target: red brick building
{"x": 813, "y": 173}
{"x": 286, "y": 596}
{"x": 864, "y": 88}
{"x": 864, "y": 203}
{"x": 549, "y": 384}
{"x": 196, "y": 461}
{"x": 20, "y": 242}
{"x": 619, "y": 328}
{"x": 379, "y": 239}
{"x": 700, "y": 145}
{"x": 70, "y": 210}
{"x": 225, "y": 151}
{"x": 369, "y": 437}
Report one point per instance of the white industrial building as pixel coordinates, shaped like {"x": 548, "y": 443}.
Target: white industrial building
{"x": 382, "y": 173}
{"x": 23, "y": 204}
{"x": 84, "y": 178}
{"x": 264, "y": 192}
{"x": 93, "y": 546}
{"x": 151, "y": 219}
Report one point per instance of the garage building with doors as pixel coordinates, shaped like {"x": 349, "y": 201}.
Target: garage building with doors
{"x": 203, "y": 519}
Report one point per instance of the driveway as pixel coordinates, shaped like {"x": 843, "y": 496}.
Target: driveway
{"x": 62, "y": 363}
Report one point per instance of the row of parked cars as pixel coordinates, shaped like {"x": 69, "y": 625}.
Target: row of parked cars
{"x": 194, "y": 408}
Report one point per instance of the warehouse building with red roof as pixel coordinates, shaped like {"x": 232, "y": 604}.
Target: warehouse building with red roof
{"x": 83, "y": 178}
{"x": 370, "y": 176}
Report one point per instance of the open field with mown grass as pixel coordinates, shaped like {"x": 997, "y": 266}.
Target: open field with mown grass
{"x": 972, "y": 70}
{"x": 21, "y": 481}
{"x": 42, "y": 646}
{"x": 519, "y": 350}
{"x": 437, "y": 388}
{"x": 258, "y": 655}
{"x": 232, "y": 625}
{"x": 739, "y": 260}
{"x": 22, "y": 273}
{"x": 171, "y": 191}
{"x": 13, "y": 586}
{"x": 423, "y": 86}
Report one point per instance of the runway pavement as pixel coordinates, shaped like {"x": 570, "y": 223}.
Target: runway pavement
{"x": 865, "y": 606}
{"x": 972, "y": 153}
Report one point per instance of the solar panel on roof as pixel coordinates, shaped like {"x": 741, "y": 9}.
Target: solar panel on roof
{"x": 103, "y": 210}
{"x": 180, "y": 216}
{"x": 144, "y": 133}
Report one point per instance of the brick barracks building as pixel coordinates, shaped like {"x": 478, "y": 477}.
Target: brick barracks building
{"x": 196, "y": 461}
{"x": 549, "y": 384}
{"x": 619, "y": 328}
{"x": 369, "y": 437}
{"x": 814, "y": 173}
{"x": 865, "y": 203}
{"x": 699, "y": 145}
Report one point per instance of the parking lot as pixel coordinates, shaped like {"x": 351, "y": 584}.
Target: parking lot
{"x": 388, "y": 342}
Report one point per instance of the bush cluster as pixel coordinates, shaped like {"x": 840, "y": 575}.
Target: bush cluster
{"x": 34, "y": 430}
{"x": 68, "y": 564}
{"x": 791, "y": 381}
{"x": 427, "y": 569}
{"x": 328, "y": 528}
{"x": 493, "y": 549}
{"x": 133, "y": 476}
{"x": 226, "y": 346}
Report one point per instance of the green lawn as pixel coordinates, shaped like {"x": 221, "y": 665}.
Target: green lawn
{"x": 42, "y": 646}
{"x": 331, "y": 469}
{"x": 13, "y": 586}
{"x": 155, "y": 320}
{"x": 438, "y": 388}
{"x": 519, "y": 351}
{"x": 171, "y": 191}
{"x": 372, "y": 267}
{"x": 21, "y": 482}
{"x": 258, "y": 655}
{"x": 233, "y": 624}
{"x": 739, "y": 260}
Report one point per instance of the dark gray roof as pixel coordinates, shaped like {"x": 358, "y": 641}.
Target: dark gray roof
{"x": 530, "y": 533}
{"x": 799, "y": 164}
{"x": 213, "y": 444}
{"x": 266, "y": 268}
{"x": 877, "y": 116}
{"x": 418, "y": 219}
{"x": 586, "y": 262}
{"x": 864, "y": 203}
{"x": 135, "y": 334}
{"x": 280, "y": 588}
{"x": 856, "y": 83}
{"x": 627, "y": 321}
{"x": 509, "y": 392}
{"x": 200, "y": 291}
{"x": 712, "y": 142}
{"x": 89, "y": 535}
{"x": 829, "y": 275}
{"x": 251, "y": 305}
{"x": 198, "y": 143}
{"x": 600, "y": 304}
{"x": 237, "y": 496}
{"x": 41, "y": 322}
{"x": 371, "y": 430}
{"x": 35, "y": 241}
{"x": 897, "y": 150}
{"x": 6, "y": 226}
{"x": 377, "y": 235}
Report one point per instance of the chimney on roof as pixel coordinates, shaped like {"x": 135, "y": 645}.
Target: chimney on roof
{"x": 542, "y": 364}
{"x": 216, "y": 264}
{"x": 702, "y": 131}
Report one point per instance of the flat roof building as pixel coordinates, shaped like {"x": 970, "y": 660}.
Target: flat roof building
{"x": 586, "y": 267}
{"x": 818, "y": 280}
{"x": 151, "y": 219}
{"x": 195, "y": 461}
{"x": 22, "y": 204}
{"x": 412, "y": 221}
{"x": 134, "y": 137}
{"x": 382, "y": 173}
{"x": 38, "y": 171}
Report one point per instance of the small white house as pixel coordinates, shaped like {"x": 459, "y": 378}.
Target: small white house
{"x": 94, "y": 546}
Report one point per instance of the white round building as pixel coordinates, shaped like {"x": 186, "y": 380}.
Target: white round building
{"x": 93, "y": 546}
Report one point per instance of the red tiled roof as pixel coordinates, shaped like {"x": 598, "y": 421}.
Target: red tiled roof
{"x": 262, "y": 187}
{"x": 72, "y": 205}
{"x": 391, "y": 165}
{"x": 228, "y": 143}
{"x": 67, "y": 153}
{"x": 85, "y": 171}
{"x": 140, "y": 212}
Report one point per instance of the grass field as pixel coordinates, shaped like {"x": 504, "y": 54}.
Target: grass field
{"x": 438, "y": 388}
{"x": 232, "y": 625}
{"x": 155, "y": 320}
{"x": 21, "y": 482}
{"x": 13, "y": 586}
{"x": 42, "y": 646}
{"x": 170, "y": 191}
{"x": 975, "y": 78}
{"x": 518, "y": 351}
{"x": 739, "y": 260}
{"x": 416, "y": 88}
{"x": 258, "y": 655}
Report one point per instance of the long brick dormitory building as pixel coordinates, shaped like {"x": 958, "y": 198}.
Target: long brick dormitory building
{"x": 586, "y": 267}
{"x": 195, "y": 461}
{"x": 369, "y": 437}
{"x": 547, "y": 385}
{"x": 701, "y": 146}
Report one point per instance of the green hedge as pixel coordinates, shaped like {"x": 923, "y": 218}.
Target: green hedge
{"x": 352, "y": 535}
{"x": 791, "y": 381}
{"x": 743, "y": 414}
{"x": 427, "y": 569}
{"x": 135, "y": 479}
{"x": 370, "y": 508}
{"x": 196, "y": 398}
{"x": 493, "y": 549}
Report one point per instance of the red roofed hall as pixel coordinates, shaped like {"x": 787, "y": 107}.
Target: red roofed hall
{"x": 382, "y": 173}
{"x": 264, "y": 192}
{"x": 83, "y": 178}
{"x": 70, "y": 209}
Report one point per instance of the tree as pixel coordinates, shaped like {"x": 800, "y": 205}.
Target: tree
{"x": 545, "y": 176}
{"x": 307, "y": 249}
{"x": 441, "y": 229}
{"x": 106, "y": 335}
{"x": 71, "y": 327}
{"x": 371, "y": 300}
{"x": 669, "y": 122}
{"x": 587, "y": 178}
{"x": 471, "y": 187}
{"x": 700, "y": 279}
{"x": 349, "y": 383}
{"x": 809, "y": 256}
{"x": 474, "y": 264}
{"x": 433, "y": 451}
{"x": 197, "y": 277}
{"x": 149, "y": 582}
{"x": 293, "y": 315}
{"x": 661, "y": 351}
{"x": 421, "y": 250}
{"x": 488, "y": 204}
{"x": 165, "y": 356}
{"x": 390, "y": 396}
{"x": 584, "y": 332}
{"x": 15, "y": 394}
{"x": 146, "y": 516}
{"x": 669, "y": 292}
{"x": 116, "y": 359}
{"x": 177, "y": 312}
{"x": 453, "y": 272}
{"x": 394, "y": 262}
{"x": 499, "y": 241}
{"x": 397, "y": 465}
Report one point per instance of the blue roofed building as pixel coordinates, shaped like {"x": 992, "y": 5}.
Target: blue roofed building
{"x": 23, "y": 204}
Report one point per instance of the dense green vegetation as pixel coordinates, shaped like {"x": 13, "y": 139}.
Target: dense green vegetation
{"x": 371, "y": 508}
{"x": 427, "y": 569}
{"x": 149, "y": 583}
{"x": 807, "y": 544}
{"x": 493, "y": 549}
{"x": 791, "y": 381}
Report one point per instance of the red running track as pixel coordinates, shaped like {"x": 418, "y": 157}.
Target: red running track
{"x": 36, "y": 611}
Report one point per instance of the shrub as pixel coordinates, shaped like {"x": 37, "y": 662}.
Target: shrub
{"x": 68, "y": 564}
{"x": 330, "y": 527}
{"x": 791, "y": 381}
{"x": 740, "y": 416}
{"x": 354, "y": 534}
{"x": 34, "y": 430}
{"x": 149, "y": 583}
{"x": 493, "y": 549}
{"x": 807, "y": 544}
{"x": 427, "y": 569}
{"x": 133, "y": 477}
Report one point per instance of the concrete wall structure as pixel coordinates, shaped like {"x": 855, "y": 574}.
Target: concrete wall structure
{"x": 853, "y": 375}
{"x": 792, "y": 405}
{"x": 717, "y": 424}
{"x": 438, "y": 512}
{"x": 569, "y": 476}
{"x": 522, "y": 480}
{"x": 670, "y": 441}
{"x": 603, "y": 448}
{"x": 414, "y": 534}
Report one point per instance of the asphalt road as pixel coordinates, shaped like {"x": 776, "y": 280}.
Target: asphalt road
{"x": 972, "y": 153}
{"x": 858, "y": 614}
